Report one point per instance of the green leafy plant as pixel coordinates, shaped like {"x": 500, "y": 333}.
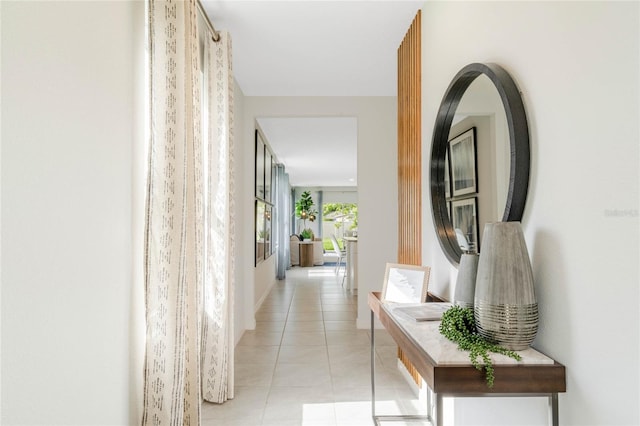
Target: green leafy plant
{"x": 459, "y": 325}
{"x": 304, "y": 208}
{"x": 341, "y": 214}
{"x": 307, "y": 234}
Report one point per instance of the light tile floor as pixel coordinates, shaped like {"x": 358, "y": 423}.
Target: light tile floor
{"x": 306, "y": 363}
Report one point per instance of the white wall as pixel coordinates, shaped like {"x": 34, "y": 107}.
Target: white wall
{"x": 265, "y": 279}
{"x": 340, "y": 195}
{"x": 239, "y": 204}
{"x": 482, "y": 99}
{"x": 577, "y": 66}
{"x": 68, "y": 129}
{"x": 377, "y": 180}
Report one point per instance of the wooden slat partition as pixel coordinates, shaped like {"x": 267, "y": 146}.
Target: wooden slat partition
{"x": 409, "y": 147}
{"x": 410, "y": 157}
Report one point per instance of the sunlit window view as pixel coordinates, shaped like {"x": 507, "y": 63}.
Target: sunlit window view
{"x": 339, "y": 220}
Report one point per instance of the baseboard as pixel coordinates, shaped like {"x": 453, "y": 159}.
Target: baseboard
{"x": 264, "y": 296}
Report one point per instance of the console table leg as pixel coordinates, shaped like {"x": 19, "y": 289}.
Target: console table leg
{"x": 439, "y": 410}
{"x": 373, "y": 372}
{"x": 553, "y": 410}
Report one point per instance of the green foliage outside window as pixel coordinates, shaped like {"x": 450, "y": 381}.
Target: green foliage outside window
{"x": 341, "y": 213}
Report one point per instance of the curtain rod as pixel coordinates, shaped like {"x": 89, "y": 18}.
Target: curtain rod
{"x": 215, "y": 34}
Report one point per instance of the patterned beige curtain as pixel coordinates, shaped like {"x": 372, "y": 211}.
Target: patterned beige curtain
{"x": 174, "y": 238}
{"x": 190, "y": 228}
{"x": 218, "y": 340}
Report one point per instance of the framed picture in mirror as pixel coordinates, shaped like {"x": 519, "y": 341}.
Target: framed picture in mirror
{"x": 462, "y": 150}
{"x": 464, "y": 218}
{"x": 405, "y": 283}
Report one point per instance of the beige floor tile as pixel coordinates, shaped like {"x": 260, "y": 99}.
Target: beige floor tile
{"x": 247, "y": 417}
{"x": 310, "y": 414}
{"x": 344, "y": 377}
{"x": 305, "y": 316}
{"x": 305, "y": 405}
{"x": 383, "y": 338}
{"x": 247, "y": 406}
{"x": 348, "y": 338}
{"x": 304, "y": 326}
{"x": 339, "y": 316}
{"x": 301, "y": 375}
{"x": 253, "y": 374}
{"x": 338, "y": 302}
{"x": 260, "y": 338}
{"x": 312, "y": 392}
{"x": 337, "y": 297}
{"x": 305, "y": 307}
{"x": 271, "y": 316}
{"x": 339, "y": 308}
{"x": 256, "y": 354}
{"x": 348, "y": 325}
{"x": 358, "y": 355}
{"x": 303, "y": 355}
{"x": 304, "y": 338}
{"x": 306, "y": 363}
{"x": 270, "y": 326}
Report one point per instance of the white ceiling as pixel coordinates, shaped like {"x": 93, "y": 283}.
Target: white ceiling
{"x": 313, "y": 150}
{"x": 314, "y": 48}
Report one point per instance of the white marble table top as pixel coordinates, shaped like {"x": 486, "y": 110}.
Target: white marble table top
{"x": 445, "y": 352}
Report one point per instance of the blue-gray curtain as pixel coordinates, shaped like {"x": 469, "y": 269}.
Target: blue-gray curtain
{"x": 319, "y": 208}
{"x": 282, "y": 225}
{"x": 292, "y": 214}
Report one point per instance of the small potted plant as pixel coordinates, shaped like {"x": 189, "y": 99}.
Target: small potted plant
{"x": 459, "y": 325}
{"x": 307, "y": 234}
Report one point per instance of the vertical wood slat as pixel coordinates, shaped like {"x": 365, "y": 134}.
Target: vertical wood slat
{"x": 409, "y": 147}
{"x": 410, "y": 157}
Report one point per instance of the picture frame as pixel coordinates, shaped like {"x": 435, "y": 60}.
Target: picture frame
{"x": 260, "y": 236}
{"x": 268, "y": 231}
{"x": 463, "y": 155}
{"x": 405, "y": 283}
{"x": 464, "y": 219}
{"x": 259, "y": 170}
{"x": 268, "y": 168}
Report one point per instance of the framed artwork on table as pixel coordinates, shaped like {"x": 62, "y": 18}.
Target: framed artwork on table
{"x": 405, "y": 283}
{"x": 463, "y": 157}
{"x": 464, "y": 219}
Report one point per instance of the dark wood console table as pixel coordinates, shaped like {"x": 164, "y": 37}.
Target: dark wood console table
{"x": 447, "y": 374}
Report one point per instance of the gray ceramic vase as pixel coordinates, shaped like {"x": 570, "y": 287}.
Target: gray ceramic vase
{"x": 505, "y": 307}
{"x": 466, "y": 281}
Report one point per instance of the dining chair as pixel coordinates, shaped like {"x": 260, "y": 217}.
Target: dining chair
{"x": 341, "y": 253}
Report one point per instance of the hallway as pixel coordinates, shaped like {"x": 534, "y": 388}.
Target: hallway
{"x": 307, "y": 364}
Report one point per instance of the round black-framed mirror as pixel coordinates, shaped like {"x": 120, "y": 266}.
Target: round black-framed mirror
{"x": 520, "y": 155}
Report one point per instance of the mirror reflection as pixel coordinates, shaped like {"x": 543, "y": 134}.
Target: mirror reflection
{"x": 477, "y": 165}
{"x": 479, "y": 170}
